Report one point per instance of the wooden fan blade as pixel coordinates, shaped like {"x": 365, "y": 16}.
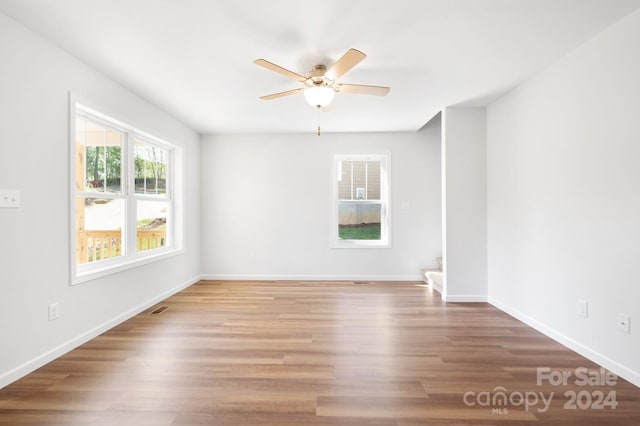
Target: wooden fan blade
{"x": 344, "y": 64}
{"x": 361, "y": 89}
{"x": 281, "y": 94}
{"x": 277, "y": 68}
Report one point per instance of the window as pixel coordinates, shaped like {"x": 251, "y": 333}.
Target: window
{"x": 360, "y": 198}
{"x": 152, "y": 203}
{"x": 123, "y": 204}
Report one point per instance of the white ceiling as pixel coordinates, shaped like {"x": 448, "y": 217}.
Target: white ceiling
{"x": 193, "y": 58}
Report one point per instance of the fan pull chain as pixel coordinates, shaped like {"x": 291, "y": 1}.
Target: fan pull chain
{"x": 318, "y": 120}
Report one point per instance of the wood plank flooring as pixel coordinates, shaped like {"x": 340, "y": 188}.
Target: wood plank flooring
{"x": 313, "y": 353}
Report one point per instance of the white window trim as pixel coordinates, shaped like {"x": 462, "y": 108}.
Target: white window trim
{"x": 385, "y": 200}
{"x": 175, "y": 229}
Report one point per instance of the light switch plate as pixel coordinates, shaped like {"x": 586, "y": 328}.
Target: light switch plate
{"x": 583, "y": 308}
{"x": 624, "y": 323}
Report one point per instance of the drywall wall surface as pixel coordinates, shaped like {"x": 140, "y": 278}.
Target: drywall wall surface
{"x": 563, "y": 198}
{"x": 267, "y": 203}
{"x": 464, "y": 204}
{"x": 35, "y": 80}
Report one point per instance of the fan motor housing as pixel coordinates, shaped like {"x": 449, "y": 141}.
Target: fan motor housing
{"x": 317, "y": 71}
{"x": 316, "y": 77}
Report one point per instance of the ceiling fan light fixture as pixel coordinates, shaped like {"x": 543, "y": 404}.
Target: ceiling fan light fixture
{"x": 319, "y": 95}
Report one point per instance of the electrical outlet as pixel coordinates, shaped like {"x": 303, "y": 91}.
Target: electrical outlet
{"x": 583, "y": 308}
{"x": 9, "y": 198}
{"x": 54, "y": 311}
{"x": 624, "y": 323}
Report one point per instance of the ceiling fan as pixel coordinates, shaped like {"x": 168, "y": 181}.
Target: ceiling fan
{"x": 320, "y": 84}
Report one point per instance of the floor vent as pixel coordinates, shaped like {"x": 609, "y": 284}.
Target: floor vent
{"x": 159, "y": 310}
{"x": 362, "y": 282}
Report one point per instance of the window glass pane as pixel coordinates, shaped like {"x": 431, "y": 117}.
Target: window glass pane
{"x": 359, "y": 186}
{"x": 98, "y": 156}
{"x": 373, "y": 180}
{"x": 80, "y": 153}
{"x": 359, "y": 221}
{"x": 359, "y": 180}
{"x": 151, "y": 224}
{"x": 150, "y": 168}
{"x": 344, "y": 180}
{"x": 113, "y": 161}
{"x": 94, "y": 137}
{"x": 99, "y": 224}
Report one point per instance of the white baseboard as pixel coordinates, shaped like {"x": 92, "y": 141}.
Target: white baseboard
{"x": 595, "y": 356}
{"x": 293, "y": 277}
{"x": 40, "y": 360}
{"x": 464, "y": 298}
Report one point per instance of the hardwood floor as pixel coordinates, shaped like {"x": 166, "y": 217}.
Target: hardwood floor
{"x": 314, "y": 353}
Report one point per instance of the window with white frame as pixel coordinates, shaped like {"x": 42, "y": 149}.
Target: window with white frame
{"x": 360, "y": 201}
{"x": 123, "y": 201}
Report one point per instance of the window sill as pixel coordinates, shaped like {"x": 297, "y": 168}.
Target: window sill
{"x": 352, "y": 244}
{"x": 100, "y": 270}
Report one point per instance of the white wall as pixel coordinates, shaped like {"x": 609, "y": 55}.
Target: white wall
{"x": 35, "y": 78}
{"x": 564, "y": 198}
{"x": 464, "y": 205}
{"x": 266, "y": 203}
